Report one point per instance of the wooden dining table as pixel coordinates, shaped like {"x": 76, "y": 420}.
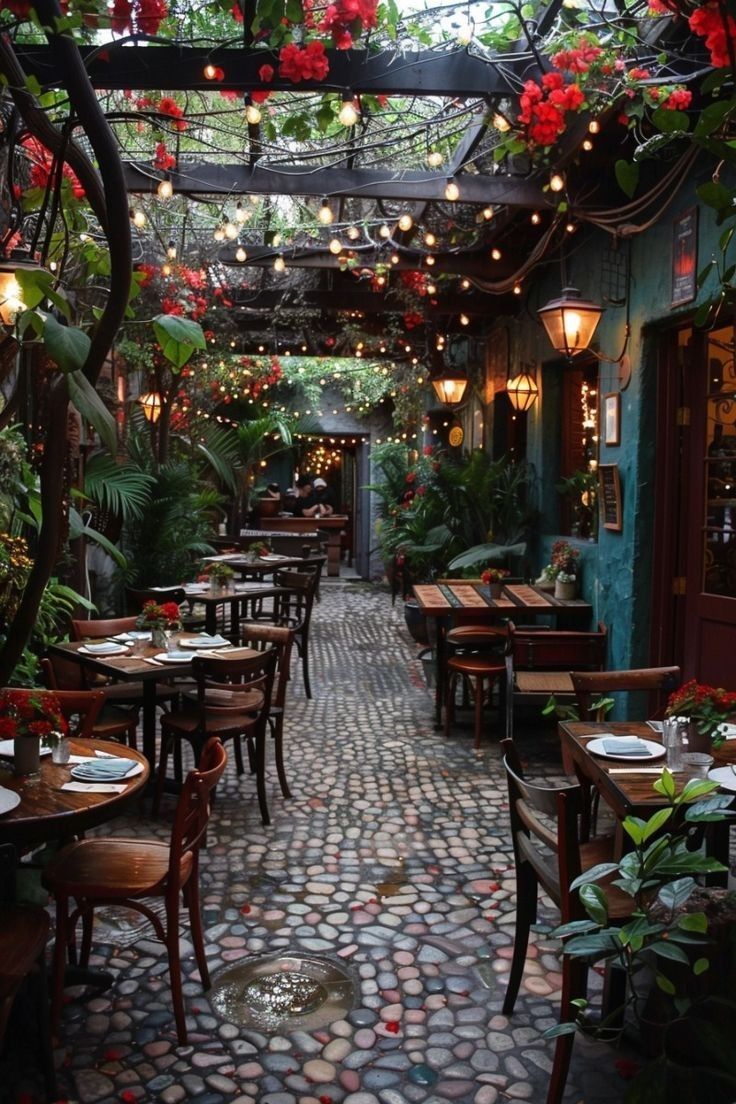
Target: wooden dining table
{"x": 330, "y": 528}
{"x": 47, "y": 812}
{"x": 465, "y": 599}
{"x": 625, "y": 785}
{"x": 236, "y": 596}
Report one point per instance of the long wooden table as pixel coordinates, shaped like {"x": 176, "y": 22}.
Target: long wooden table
{"x": 464, "y": 600}
{"x": 630, "y": 794}
{"x": 331, "y": 527}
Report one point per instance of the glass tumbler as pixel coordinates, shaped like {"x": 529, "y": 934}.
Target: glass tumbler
{"x": 672, "y": 739}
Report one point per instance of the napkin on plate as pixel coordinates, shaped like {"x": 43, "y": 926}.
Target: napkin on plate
{"x": 626, "y": 745}
{"x": 107, "y": 646}
{"x": 92, "y": 787}
{"x": 105, "y": 770}
{"x": 211, "y": 641}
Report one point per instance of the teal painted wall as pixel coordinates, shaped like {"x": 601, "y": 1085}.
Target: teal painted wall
{"x": 617, "y": 568}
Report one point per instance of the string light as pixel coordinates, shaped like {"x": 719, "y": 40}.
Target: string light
{"x": 594, "y": 126}
{"x": 430, "y": 239}
{"x": 434, "y": 159}
{"x": 230, "y": 230}
{"x": 335, "y": 246}
{"x": 353, "y": 233}
{"x": 324, "y": 214}
{"x": 171, "y": 251}
{"x": 557, "y": 182}
{"x": 165, "y": 189}
{"x": 252, "y": 111}
{"x": 452, "y": 192}
{"x": 496, "y": 254}
{"x": 348, "y": 114}
{"x": 139, "y": 218}
{"x": 488, "y": 213}
{"x": 406, "y": 222}
{"x": 536, "y": 218}
{"x": 240, "y": 254}
{"x": 241, "y": 215}
{"x": 384, "y": 231}
{"x": 279, "y": 264}
{"x": 501, "y": 123}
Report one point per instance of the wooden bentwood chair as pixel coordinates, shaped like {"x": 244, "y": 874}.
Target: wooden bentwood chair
{"x": 110, "y": 723}
{"x": 281, "y": 639}
{"x": 114, "y": 871}
{"x": 531, "y": 808}
{"x": 659, "y": 682}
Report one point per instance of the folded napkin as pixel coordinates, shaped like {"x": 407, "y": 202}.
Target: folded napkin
{"x": 104, "y": 770}
{"x": 92, "y": 787}
{"x": 107, "y": 646}
{"x": 626, "y": 745}
{"x": 211, "y": 641}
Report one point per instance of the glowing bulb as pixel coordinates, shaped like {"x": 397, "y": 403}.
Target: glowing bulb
{"x": 556, "y": 182}
{"x": 240, "y": 254}
{"x": 348, "y": 114}
{"x": 335, "y": 246}
{"x": 230, "y": 230}
{"x": 429, "y": 238}
{"x": 587, "y": 145}
{"x": 431, "y": 289}
{"x": 165, "y": 189}
{"x": 165, "y": 269}
{"x": 517, "y": 289}
{"x": 276, "y": 240}
{"x": 488, "y": 213}
{"x": 219, "y": 234}
{"x": 210, "y": 72}
{"x": 279, "y": 265}
{"x": 252, "y": 114}
{"x": 501, "y": 123}
{"x": 406, "y": 222}
{"x": 536, "y": 218}
{"x": 240, "y": 213}
{"x": 139, "y": 218}
{"x": 434, "y": 159}
{"x": 429, "y": 259}
{"x": 171, "y": 251}
{"x": 353, "y": 233}
{"x": 324, "y": 214}
{"x": 452, "y": 192}
{"x": 496, "y": 254}
{"x": 464, "y": 35}
{"x": 464, "y": 320}
{"x": 594, "y": 126}
{"x": 465, "y": 284}
{"x": 384, "y": 231}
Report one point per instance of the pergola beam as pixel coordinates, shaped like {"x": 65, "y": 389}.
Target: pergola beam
{"x": 476, "y": 263}
{"x": 453, "y": 73}
{"x": 408, "y": 185}
{"x": 248, "y": 306}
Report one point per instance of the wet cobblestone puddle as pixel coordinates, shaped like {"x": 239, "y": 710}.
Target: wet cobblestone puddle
{"x": 392, "y": 861}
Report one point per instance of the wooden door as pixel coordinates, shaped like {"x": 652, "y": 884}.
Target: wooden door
{"x": 694, "y": 586}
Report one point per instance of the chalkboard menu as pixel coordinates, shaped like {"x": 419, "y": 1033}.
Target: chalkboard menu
{"x": 609, "y": 497}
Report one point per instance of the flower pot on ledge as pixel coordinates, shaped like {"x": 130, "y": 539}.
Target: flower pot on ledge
{"x": 565, "y": 591}
{"x": 495, "y": 589}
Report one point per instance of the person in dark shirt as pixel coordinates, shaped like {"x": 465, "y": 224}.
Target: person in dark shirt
{"x": 323, "y": 501}
{"x": 305, "y": 502}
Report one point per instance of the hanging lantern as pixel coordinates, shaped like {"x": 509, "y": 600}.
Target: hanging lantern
{"x": 150, "y": 402}
{"x": 522, "y": 391}
{"x": 449, "y": 385}
{"x": 570, "y": 322}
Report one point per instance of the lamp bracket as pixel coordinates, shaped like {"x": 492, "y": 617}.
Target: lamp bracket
{"x": 623, "y": 361}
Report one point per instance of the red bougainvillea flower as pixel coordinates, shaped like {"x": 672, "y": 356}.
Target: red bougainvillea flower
{"x": 237, "y": 12}
{"x": 168, "y": 106}
{"x": 149, "y": 271}
{"x": 19, "y": 8}
{"x": 151, "y": 14}
{"x": 43, "y": 168}
{"x": 718, "y": 29}
{"x": 679, "y": 99}
{"x": 579, "y": 58}
{"x": 162, "y": 159}
{"x": 309, "y": 63}
{"x": 265, "y": 73}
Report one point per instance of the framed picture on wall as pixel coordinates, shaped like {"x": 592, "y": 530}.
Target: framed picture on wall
{"x": 684, "y": 257}
{"x": 612, "y": 418}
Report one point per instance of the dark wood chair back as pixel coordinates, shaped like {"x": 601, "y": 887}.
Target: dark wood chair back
{"x": 660, "y": 682}
{"x": 247, "y": 678}
{"x": 60, "y": 673}
{"x": 281, "y": 639}
{"x": 294, "y": 607}
{"x": 96, "y": 630}
{"x": 81, "y": 709}
{"x": 192, "y": 814}
{"x": 538, "y": 649}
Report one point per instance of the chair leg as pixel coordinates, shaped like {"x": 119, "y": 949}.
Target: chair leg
{"x": 59, "y": 961}
{"x": 526, "y": 915}
{"x": 574, "y": 975}
{"x": 238, "y": 746}
{"x": 305, "y": 667}
{"x": 478, "y": 684}
{"x": 450, "y": 686}
{"x": 87, "y": 914}
{"x": 278, "y": 745}
{"x": 172, "y": 945}
{"x": 163, "y": 760}
{"x": 41, "y": 984}
{"x": 261, "y": 776}
{"x": 191, "y": 892}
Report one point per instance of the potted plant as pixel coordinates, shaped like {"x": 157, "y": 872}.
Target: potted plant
{"x": 256, "y": 551}
{"x": 30, "y": 717}
{"x": 707, "y": 709}
{"x": 159, "y": 619}
{"x": 216, "y": 574}
{"x": 562, "y": 571}
{"x": 493, "y": 578}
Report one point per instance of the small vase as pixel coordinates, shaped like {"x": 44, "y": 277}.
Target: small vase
{"x": 697, "y": 741}
{"x": 565, "y": 591}
{"x": 495, "y": 589}
{"x": 27, "y": 755}
{"x": 158, "y": 638}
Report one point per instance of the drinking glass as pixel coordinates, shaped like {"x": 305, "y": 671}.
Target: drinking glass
{"x": 672, "y": 740}
{"x": 697, "y": 763}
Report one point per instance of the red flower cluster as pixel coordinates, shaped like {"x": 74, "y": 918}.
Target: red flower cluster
{"x": 168, "y": 106}
{"x": 494, "y": 575}
{"x": 30, "y": 713}
{"x": 144, "y": 16}
{"x": 308, "y": 63}
{"x": 718, "y": 30}
{"x": 149, "y": 271}
{"x": 412, "y": 319}
{"x": 679, "y": 99}
{"x": 543, "y": 107}
{"x": 579, "y": 58}
{"x": 43, "y": 168}
{"x": 346, "y": 19}
{"x": 19, "y": 8}
{"x": 694, "y": 698}
{"x": 163, "y": 160}
{"x": 154, "y": 614}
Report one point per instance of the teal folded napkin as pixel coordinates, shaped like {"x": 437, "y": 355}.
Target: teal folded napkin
{"x": 205, "y": 638}
{"x": 104, "y": 770}
{"x": 626, "y": 746}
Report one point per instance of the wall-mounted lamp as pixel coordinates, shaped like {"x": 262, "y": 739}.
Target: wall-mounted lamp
{"x": 150, "y": 402}
{"x": 522, "y": 391}
{"x": 449, "y": 385}
{"x": 571, "y": 322}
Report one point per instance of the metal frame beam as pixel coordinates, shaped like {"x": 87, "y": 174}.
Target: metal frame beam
{"x": 248, "y": 305}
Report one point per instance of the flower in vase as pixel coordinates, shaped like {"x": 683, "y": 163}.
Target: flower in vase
{"x": 494, "y": 575}
{"x": 31, "y": 713}
{"x": 707, "y": 707}
{"x": 159, "y": 616}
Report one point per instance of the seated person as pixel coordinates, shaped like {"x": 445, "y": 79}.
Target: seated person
{"x": 291, "y": 500}
{"x": 272, "y": 491}
{"x": 305, "y": 500}
{"x": 323, "y": 501}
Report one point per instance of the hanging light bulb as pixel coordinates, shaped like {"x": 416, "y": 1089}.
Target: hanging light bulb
{"x": 171, "y": 251}
{"x": 431, "y": 289}
{"x": 348, "y": 114}
{"x": 517, "y": 288}
{"x": 139, "y": 218}
{"x": 501, "y": 123}
{"x": 394, "y": 258}
{"x": 430, "y": 239}
{"x": 335, "y": 246}
{"x": 434, "y": 159}
{"x": 324, "y": 214}
{"x": 252, "y": 111}
{"x": 406, "y": 222}
{"x": 166, "y": 269}
{"x": 384, "y": 231}
{"x": 429, "y": 259}
{"x": 230, "y": 231}
{"x": 536, "y": 218}
{"x": 219, "y": 234}
{"x": 240, "y": 254}
{"x": 488, "y": 213}
{"x": 464, "y": 34}
{"x": 353, "y": 233}
{"x": 241, "y": 214}
{"x": 465, "y": 284}
{"x": 165, "y": 189}
{"x": 594, "y": 126}
{"x": 210, "y": 72}
{"x": 496, "y": 254}
{"x": 452, "y": 192}
{"x": 464, "y": 320}
{"x": 279, "y": 264}
{"x": 587, "y": 145}
{"x": 557, "y": 182}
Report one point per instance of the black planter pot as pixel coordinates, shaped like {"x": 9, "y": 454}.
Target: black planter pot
{"x": 416, "y": 623}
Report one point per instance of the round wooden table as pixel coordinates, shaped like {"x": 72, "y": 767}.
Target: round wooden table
{"x": 46, "y": 812}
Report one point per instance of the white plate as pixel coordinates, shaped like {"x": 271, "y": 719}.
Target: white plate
{"x": 107, "y": 650}
{"x": 78, "y": 772}
{"x": 9, "y": 799}
{"x": 198, "y": 642}
{"x": 7, "y": 749}
{"x": 164, "y": 657}
{"x": 725, "y": 778}
{"x": 655, "y": 751}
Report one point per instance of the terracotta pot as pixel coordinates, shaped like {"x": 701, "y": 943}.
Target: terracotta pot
{"x": 27, "y": 755}
{"x": 565, "y": 591}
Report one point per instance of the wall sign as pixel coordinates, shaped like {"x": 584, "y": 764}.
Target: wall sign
{"x": 609, "y": 497}
{"x": 684, "y": 257}
{"x": 612, "y": 418}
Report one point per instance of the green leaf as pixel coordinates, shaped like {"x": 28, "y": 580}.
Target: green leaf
{"x": 665, "y": 949}
{"x": 594, "y": 901}
{"x": 666, "y": 784}
{"x": 294, "y": 11}
{"x": 627, "y": 176}
{"x": 90, "y": 406}
{"x": 696, "y": 787}
{"x": 712, "y": 117}
{"x": 676, "y": 893}
{"x": 656, "y": 821}
{"x": 700, "y": 966}
{"x": 33, "y": 86}
{"x": 593, "y": 874}
{"x": 178, "y": 337}
{"x": 693, "y": 921}
{"x": 634, "y": 828}
{"x": 77, "y": 528}
{"x": 669, "y": 121}
{"x": 665, "y": 985}
{"x": 715, "y": 194}
{"x": 560, "y": 1029}
{"x": 68, "y": 346}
